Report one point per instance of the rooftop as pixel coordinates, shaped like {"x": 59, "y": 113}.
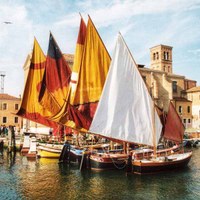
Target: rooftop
{"x": 8, "y": 97}
{"x": 194, "y": 89}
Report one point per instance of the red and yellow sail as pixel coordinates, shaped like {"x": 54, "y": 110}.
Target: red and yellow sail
{"x": 30, "y": 107}
{"x": 56, "y": 82}
{"x": 69, "y": 115}
{"x": 93, "y": 69}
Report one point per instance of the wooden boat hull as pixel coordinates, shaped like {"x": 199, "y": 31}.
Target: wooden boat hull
{"x": 107, "y": 162}
{"x": 147, "y": 153}
{"x": 147, "y": 167}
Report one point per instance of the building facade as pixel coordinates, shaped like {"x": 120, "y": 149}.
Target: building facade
{"x": 193, "y": 94}
{"x": 164, "y": 86}
{"x": 8, "y": 106}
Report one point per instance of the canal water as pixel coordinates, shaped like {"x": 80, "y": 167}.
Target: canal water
{"x": 46, "y": 179}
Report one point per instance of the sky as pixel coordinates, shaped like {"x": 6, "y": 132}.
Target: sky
{"x": 142, "y": 23}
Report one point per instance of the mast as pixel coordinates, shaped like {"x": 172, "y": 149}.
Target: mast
{"x": 154, "y": 130}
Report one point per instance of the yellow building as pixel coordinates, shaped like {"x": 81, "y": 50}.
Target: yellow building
{"x": 193, "y": 94}
{"x": 164, "y": 86}
{"x": 8, "y": 106}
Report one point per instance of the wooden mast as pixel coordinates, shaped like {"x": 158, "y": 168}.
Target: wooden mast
{"x": 153, "y": 130}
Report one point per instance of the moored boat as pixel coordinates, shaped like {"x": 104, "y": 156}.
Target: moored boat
{"x": 105, "y": 161}
{"x": 48, "y": 152}
{"x": 160, "y": 164}
{"x": 128, "y": 114}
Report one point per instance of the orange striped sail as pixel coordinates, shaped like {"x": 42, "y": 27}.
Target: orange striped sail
{"x": 30, "y": 107}
{"x": 56, "y": 82}
{"x": 92, "y": 74}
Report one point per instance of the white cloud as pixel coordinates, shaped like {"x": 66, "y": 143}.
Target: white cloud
{"x": 196, "y": 52}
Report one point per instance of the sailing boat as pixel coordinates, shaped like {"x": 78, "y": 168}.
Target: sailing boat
{"x": 174, "y": 131}
{"x": 126, "y": 111}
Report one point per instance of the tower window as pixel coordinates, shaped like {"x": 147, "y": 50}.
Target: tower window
{"x": 157, "y": 55}
{"x": 188, "y": 121}
{"x": 174, "y": 86}
{"x": 154, "y": 56}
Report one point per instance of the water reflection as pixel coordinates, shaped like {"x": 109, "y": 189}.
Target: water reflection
{"x": 46, "y": 179}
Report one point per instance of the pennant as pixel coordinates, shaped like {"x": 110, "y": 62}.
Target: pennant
{"x": 56, "y": 82}
{"x": 30, "y": 107}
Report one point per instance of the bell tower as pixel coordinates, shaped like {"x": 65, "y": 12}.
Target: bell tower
{"x": 161, "y": 58}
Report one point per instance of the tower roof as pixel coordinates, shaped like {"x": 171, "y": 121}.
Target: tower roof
{"x": 161, "y": 45}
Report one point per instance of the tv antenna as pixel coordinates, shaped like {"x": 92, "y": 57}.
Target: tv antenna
{"x": 2, "y": 75}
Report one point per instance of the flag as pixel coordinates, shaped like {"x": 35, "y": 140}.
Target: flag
{"x": 56, "y": 81}
{"x": 30, "y": 107}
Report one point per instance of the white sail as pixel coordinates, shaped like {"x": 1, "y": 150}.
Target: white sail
{"x": 125, "y": 108}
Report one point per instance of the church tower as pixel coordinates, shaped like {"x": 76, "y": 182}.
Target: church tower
{"x": 161, "y": 58}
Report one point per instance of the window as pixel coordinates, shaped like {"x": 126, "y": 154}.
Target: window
{"x": 4, "y": 119}
{"x": 180, "y": 109}
{"x": 4, "y": 106}
{"x": 184, "y": 121}
{"x": 168, "y": 68}
{"x": 188, "y": 121}
{"x": 16, "y": 119}
{"x": 154, "y": 56}
{"x": 164, "y": 68}
{"x": 188, "y": 109}
{"x": 16, "y": 106}
{"x": 174, "y": 86}
{"x": 165, "y": 55}
{"x": 157, "y": 55}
